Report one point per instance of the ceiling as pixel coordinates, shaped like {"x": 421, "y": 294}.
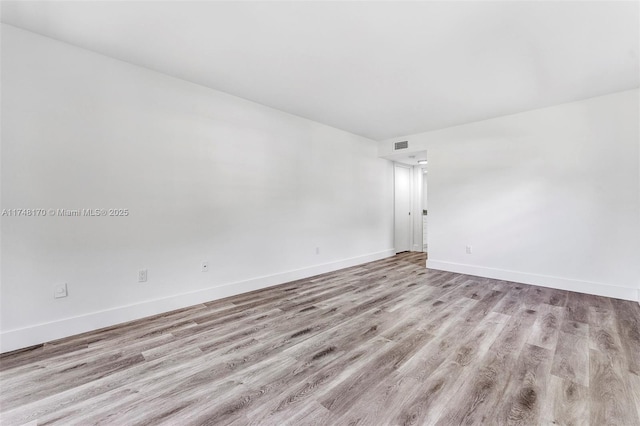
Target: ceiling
{"x": 377, "y": 69}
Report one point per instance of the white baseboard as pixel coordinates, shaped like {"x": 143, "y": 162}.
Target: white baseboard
{"x": 598, "y": 289}
{"x": 40, "y": 333}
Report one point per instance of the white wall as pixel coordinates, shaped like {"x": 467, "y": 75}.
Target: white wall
{"x": 206, "y": 177}
{"x": 548, "y": 197}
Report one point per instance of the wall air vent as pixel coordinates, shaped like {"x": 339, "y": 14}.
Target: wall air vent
{"x": 401, "y": 145}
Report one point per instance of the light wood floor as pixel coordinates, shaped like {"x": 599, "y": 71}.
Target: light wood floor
{"x": 384, "y": 343}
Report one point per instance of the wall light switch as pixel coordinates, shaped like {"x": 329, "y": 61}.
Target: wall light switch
{"x": 59, "y": 290}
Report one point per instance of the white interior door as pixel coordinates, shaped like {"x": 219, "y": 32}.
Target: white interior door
{"x": 402, "y": 204}
{"x": 425, "y": 218}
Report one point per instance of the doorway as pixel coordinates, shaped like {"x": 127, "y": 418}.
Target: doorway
{"x": 402, "y": 207}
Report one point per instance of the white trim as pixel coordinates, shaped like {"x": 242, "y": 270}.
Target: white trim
{"x": 598, "y": 289}
{"x": 24, "y": 337}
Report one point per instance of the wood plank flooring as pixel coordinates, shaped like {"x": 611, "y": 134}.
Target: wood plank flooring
{"x": 384, "y": 343}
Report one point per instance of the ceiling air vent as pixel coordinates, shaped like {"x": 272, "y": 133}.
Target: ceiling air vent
{"x": 401, "y": 145}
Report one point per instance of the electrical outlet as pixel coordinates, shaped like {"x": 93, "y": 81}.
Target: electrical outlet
{"x": 204, "y": 267}
{"x": 142, "y": 275}
{"x": 59, "y": 290}
{"x": 469, "y": 249}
